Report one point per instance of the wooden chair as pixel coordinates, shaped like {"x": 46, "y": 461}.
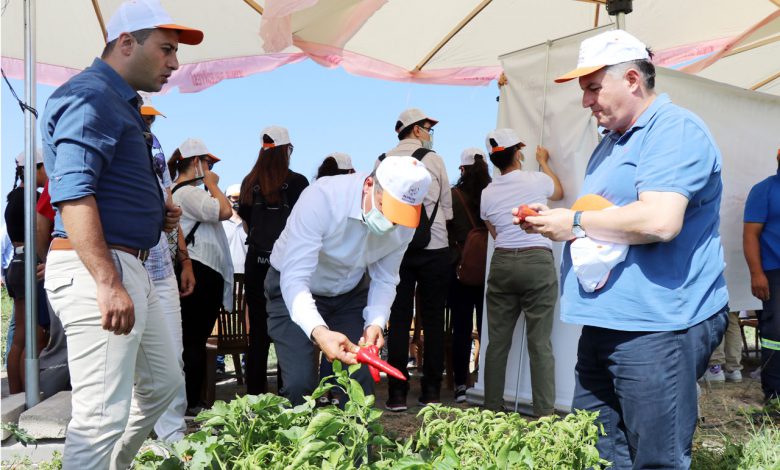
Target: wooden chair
{"x": 751, "y": 322}
{"x": 230, "y": 337}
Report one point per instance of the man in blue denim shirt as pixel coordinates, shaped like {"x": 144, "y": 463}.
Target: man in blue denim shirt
{"x": 649, "y": 331}
{"x": 109, "y": 212}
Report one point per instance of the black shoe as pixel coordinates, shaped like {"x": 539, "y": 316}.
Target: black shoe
{"x": 429, "y": 398}
{"x": 396, "y": 401}
{"x": 460, "y": 393}
{"x": 194, "y": 411}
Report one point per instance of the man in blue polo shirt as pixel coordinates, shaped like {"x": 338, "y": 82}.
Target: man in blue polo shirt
{"x": 761, "y": 244}
{"x": 650, "y": 329}
{"x": 110, "y": 211}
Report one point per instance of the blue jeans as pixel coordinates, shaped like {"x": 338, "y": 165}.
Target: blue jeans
{"x": 643, "y": 384}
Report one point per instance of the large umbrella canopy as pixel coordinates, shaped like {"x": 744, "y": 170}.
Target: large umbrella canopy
{"x": 431, "y": 41}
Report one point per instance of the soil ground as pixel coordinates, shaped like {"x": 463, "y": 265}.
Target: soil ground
{"x": 725, "y": 408}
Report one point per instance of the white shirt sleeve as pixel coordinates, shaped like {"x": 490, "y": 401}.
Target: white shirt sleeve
{"x": 198, "y": 204}
{"x": 306, "y": 228}
{"x": 384, "y": 280}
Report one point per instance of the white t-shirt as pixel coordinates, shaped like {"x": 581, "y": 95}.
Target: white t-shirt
{"x": 507, "y": 192}
{"x": 236, "y": 237}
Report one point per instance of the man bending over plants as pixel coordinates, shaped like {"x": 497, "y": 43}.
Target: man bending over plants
{"x": 334, "y": 268}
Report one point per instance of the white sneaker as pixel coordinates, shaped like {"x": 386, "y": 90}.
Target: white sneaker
{"x": 714, "y": 374}
{"x": 733, "y": 376}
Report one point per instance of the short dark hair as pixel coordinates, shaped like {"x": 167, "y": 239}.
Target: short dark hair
{"x": 407, "y": 131}
{"x": 644, "y": 66}
{"x": 140, "y": 37}
{"x": 330, "y": 167}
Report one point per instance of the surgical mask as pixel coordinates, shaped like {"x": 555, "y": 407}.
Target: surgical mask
{"x": 427, "y": 144}
{"x": 376, "y": 222}
{"x": 199, "y": 173}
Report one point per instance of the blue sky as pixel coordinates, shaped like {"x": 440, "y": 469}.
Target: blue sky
{"x": 325, "y": 110}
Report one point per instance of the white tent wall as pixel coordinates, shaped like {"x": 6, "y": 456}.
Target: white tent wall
{"x": 744, "y": 124}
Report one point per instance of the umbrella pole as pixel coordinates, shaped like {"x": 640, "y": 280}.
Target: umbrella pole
{"x": 31, "y": 385}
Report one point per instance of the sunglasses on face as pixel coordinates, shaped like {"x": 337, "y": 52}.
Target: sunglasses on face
{"x": 209, "y": 162}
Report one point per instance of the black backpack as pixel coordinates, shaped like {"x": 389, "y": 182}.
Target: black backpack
{"x": 267, "y": 221}
{"x": 422, "y": 235}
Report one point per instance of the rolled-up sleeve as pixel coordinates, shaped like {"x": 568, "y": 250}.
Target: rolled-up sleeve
{"x": 84, "y": 138}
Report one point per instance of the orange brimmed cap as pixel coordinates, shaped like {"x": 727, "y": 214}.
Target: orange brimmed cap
{"x": 135, "y": 15}
{"x": 404, "y": 182}
{"x": 608, "y": 48}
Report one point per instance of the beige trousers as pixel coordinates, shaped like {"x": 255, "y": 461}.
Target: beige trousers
{"x": 728, "y": 354}
{"x": 121, "y": 383}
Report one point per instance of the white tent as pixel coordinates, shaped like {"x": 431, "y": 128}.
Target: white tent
{"x": 432, "y": 41}
{"x": 543, "y": 112}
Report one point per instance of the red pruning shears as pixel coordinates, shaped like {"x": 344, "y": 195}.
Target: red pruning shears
{"x": 369, "y": 355}
{"x": 525, "y": 211}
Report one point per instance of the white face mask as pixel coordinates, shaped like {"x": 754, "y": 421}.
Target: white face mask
{"x": 199, "y": 173}
{"x": 376, "y": 222}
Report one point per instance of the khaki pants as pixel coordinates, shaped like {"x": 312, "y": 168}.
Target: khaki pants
{"x": 524, "y": 281}
{"x": 171, "y": 426}
{"x": 729, "y": 352}
{"x": 121, "y": 383}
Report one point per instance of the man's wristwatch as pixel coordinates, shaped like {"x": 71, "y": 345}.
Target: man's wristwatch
{"x": 576, "y": 228}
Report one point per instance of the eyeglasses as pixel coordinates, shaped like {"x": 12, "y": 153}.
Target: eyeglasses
{"x": 38, "y": 166}
{"x": 429, "y": 130}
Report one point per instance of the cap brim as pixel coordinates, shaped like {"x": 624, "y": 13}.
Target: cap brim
{"x": 213, "y": 157}
{"x": 591, "y": 202}
{"x": 399, "y": 212}
{"x": 150, "y": 111}
{"x": 187, "y": 35}
{"x": 578, "y": 72}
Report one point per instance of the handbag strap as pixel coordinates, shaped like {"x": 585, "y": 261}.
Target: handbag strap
{"x": 465, "y": 208}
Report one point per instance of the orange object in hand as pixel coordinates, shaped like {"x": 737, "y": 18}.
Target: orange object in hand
{"x": 525, "y": 211}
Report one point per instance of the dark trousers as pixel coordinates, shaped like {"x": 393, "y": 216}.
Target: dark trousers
{"x": 296, "y": 353}
{"x": 643, "y": 384}
{"x": 429, "y": 272}
{"x": 199, "y": 312}
{"x": 255, "y": 270}
{"x": 769, "y": 329}
{"x": 462, "y": 301}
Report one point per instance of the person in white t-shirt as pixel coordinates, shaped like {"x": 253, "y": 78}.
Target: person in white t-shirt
{"x": 234, "y": 230}
{"x": 202, "y": 212}
{"x": 522, "y": 274}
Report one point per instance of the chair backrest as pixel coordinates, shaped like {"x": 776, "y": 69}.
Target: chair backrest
{"x": 231, "y": 326}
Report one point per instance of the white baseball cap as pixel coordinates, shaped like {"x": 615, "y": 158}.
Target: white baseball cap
{"x": 608, "y": 48}
{"x": 467, "y": 156}
{"x": 38, "y": 157}
{"x": 343, "y": 160}
{"x": 404, "y": 182}
{"x": 503, "y": 139}
{"x": 233, "y": 190}
{"x": 592, "y": 259}
{"x": 194, "y": 147}
{"x": 278, "y": 135}
{"x": 135, "y": 15}
{"x": 411, "y": 116}
{"x": 146, "y": 108}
